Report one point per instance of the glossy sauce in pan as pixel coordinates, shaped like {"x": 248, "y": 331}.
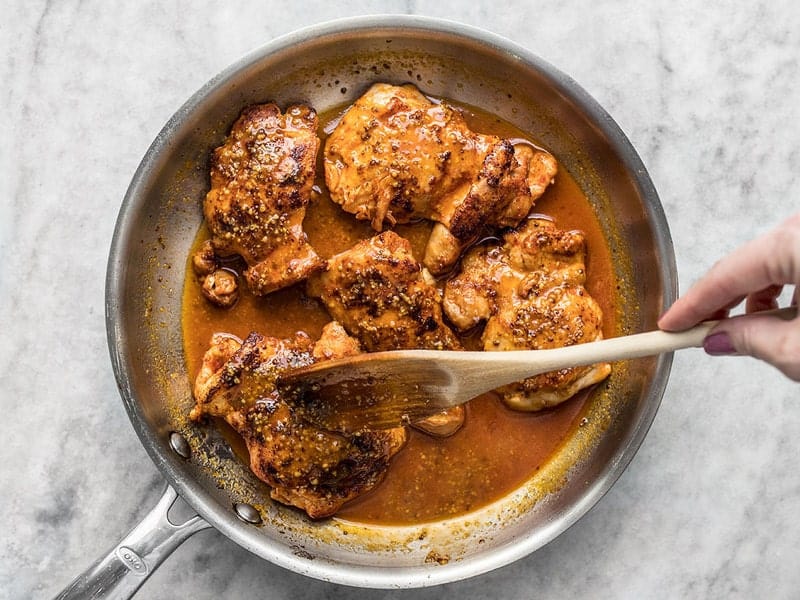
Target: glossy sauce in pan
{"x": 497, "y": 449}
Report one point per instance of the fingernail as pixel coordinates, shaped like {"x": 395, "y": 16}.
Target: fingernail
{"x": 718, "y": 344}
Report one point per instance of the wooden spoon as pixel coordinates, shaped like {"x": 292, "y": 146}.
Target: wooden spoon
{"x": 380, "y": 390}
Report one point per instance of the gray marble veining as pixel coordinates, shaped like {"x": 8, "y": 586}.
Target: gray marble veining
{"x": 709, "y": 95}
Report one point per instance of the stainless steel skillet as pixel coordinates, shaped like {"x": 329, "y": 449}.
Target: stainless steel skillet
{"x": 328, "y": 65}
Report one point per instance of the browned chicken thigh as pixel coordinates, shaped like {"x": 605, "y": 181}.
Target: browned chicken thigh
{"x": 307, "y": 467}
{"x": 261, "y": 183}
{"x": 530, "y": 290}
{"x": 395, "y": 156}
{"x": 381, "y": 295}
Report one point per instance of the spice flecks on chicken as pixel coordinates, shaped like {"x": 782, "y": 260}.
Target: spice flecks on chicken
{"x": 530, "y": 291}
{"x": 388, "y": 301}
{"x": 396, "y": 156}
{"x": 307, "y": 467}
{"x": 261, "y": 184}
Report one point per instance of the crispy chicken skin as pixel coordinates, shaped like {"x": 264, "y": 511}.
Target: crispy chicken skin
{"x": 261, "y": 183}
{"x": 382, "y": 296}
{"x": 307, "y": 467}
{"x": 530, "y": 292}
{"x": 395, "y": 156}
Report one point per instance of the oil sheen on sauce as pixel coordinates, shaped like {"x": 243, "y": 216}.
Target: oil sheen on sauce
{"x": 497, "y": 449}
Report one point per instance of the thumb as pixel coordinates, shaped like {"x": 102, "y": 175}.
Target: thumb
{"x": 768, "y": 338}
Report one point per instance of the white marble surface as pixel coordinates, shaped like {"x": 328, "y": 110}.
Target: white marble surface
{"x": 710, "y": 96}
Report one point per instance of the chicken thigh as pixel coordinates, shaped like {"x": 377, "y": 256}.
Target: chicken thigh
{"x": 396, "y": 156}
{"x": 261, "y": 183}
{"x": 307, "y": 467}
{"x": 530, "y": 291}
{"x": 381, "y": 295}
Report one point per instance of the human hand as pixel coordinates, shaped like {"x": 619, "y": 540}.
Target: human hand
{"x": 756, "y": 273}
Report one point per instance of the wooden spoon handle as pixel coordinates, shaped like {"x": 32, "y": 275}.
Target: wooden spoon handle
{"x": 521, "y": 364}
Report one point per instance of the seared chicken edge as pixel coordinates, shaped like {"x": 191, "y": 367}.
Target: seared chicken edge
{"x": 385, "y": 299}
{"x": 261, "y": 183}
{"x": 530, "y": 292}
{"x": 396, "y": 156}
{"x": 307, "y": 467}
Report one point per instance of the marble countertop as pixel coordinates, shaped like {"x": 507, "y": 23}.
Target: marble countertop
{"x": 710, "y": 97}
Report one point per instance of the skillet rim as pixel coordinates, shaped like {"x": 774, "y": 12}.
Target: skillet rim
{"x": 192, "y": 493}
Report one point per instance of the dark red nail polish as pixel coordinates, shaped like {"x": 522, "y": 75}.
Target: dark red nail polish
{"x": 718, "y": 344}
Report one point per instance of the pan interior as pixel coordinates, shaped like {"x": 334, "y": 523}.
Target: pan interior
{"x": 326, "y": 66}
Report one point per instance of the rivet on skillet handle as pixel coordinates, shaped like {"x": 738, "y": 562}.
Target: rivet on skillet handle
{"x": 127, "y": 565}
{"x": 179, "y": 445}
{"x": 247, "y": 513}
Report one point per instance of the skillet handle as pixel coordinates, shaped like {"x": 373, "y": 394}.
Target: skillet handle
{"x": 127, "y": 566}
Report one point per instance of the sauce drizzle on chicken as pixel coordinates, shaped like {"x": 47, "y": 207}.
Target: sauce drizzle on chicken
{"x": 432, "y": 477}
